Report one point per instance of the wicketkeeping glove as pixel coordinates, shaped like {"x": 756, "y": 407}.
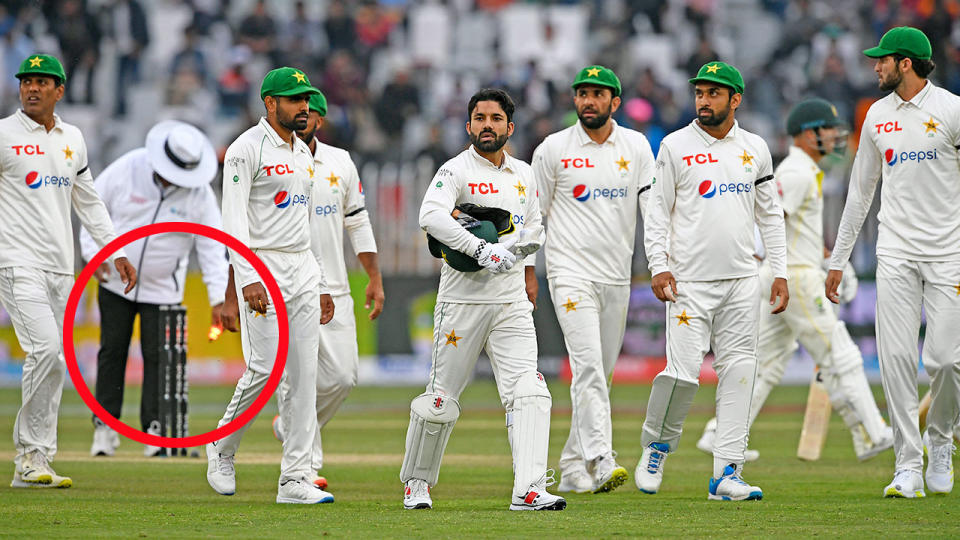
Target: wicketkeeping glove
{"x": 497, "y": 257}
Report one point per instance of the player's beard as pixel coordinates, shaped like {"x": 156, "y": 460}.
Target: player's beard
{"x": 488, "y": 146}
{"x": 713, "y": 118}
{"x": 890, "y": 83}
{"x": 597, "y": 121}
{"x": 297, "y": 122}
{"x": 306, "y": 135}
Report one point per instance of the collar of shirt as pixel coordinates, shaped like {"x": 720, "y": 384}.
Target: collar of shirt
{"x": 800, "y": 154}
{"x": 585, "y": 139}
{"x": 274, "y": 137}
{"x": 916, "y": 100}
{"x": 709, "y": 139}
{"x": 30, "y": 125}
{"x": 317, "y": 155}
{"x": 506, "y": 165}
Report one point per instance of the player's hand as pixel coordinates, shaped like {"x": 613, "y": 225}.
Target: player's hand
{"x": 664, "y": 287}
{"x": 256, "y": 297}
{"x": 102, "y": 273}
{"x": 230, "y": 313}
{"x": 326, "y": 308}
{"x": 779, "y": 295}
{"x": 497, "y": 257}
{"x": 215, "y": 315}
{"x": 848, "y": 285}
{"x": 533, "y": 286}
{"x": 834, "y": 277}
{"x": 375, "y": 297}
{"x": 128, "y": 274}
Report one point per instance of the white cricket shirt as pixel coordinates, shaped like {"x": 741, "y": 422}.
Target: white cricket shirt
{"x": 799, "y": 181}
{"x": 471, "y": 178}
{"x": 590, "y": 194}
{"x": 911, "y": 145}
{"x": 266, "y": 205}
{"x": 337, "y": 203}
{"x": 706, "y": 197}
{"x": 43, "y": 174}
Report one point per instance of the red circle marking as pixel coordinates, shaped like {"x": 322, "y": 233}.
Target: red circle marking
{"x": 275, "y": 296}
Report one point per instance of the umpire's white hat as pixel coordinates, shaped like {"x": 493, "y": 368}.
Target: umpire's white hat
{"x": 181, "y": 154}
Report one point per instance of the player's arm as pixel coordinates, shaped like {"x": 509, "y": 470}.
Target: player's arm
{"x": 211, "y": 254}
{"x": 356, "y": 220}
{"x": 768, "y": 215}
{"x": 95, "y": 218}
{"x": 863, "y": 183}
{"x": 656, "y": 226}
{"x": 326, "y": 300}
{"x": 647, "y": 175}
{"x": 105, "y": 187}
{"x": 239, "y": 172}
{"x": 230, "y": 312}
{"x": 545, "y": 174}
{"x": 531, "y": 239}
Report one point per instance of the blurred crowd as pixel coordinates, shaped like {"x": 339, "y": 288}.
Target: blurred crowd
{"x": 398, "y": 73}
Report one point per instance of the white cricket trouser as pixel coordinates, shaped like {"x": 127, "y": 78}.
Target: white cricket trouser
{"x": 36, "y": 301}
{"x": 259, "y": 339}
{"x": 337, "y": 368}
{"x": 903, "y": 288}
{"x": 593, "y": 317}
{"x": 722, "y": 316}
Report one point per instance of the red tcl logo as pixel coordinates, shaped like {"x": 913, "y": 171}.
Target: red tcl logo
{"x": 577, "y": 163}
{"x": 28, "y": 149}
{"x": 483, "y": 188}
{"x": 700, "y": 159}
{"x": 280, "y": 169}
{"x": 888, "y": 127}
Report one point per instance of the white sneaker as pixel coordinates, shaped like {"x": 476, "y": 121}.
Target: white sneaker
{"x": 105, "y": 440}
{"x": 59, "y": 482}
{"x": 866, "y": 448}
{"x": 939, "y": 474}
{"x": 906, "y": 484}
{"x": 537, "y": 498}
{"x": 35, "y": 471}
{"x": 576, "y": 481}
{"x": 301, "y": 492}
{"x": 148, "y": 449}
{"x": 277, "y": 426}
{"x": 649, "y": 472}
{"x": 705, "y": 443}
{"x": 416, "y": 495}
{"x": 731, "y": 487}
{"x": 221, "y": 474}
{"x": 607, "y": 475}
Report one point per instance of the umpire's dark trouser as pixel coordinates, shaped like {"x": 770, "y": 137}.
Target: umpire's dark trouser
{"x": 116, "y": 327}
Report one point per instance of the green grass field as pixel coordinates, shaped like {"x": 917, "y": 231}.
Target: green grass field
{"x": 131, "y": 496}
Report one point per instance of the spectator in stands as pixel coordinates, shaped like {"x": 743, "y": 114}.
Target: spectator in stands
{"x": 79, "y": 35}
{"x": 188, "y": 70}
{"x": 233, "y": 85}
{"x": 127, "y": 24}
{"x": 339, "y": 26}
{"x": 400, "y": 99}
{"x": 302, "y": 40}
{"x": 258, "y": 31}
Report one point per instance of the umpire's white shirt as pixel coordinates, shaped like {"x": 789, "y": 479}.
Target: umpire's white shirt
{"x": 911, "y": 145}
{"x": 471, "y": 178}
{"x": 590, "y": 194}
{"x": 43, "y": 174}
{"x": 134, "y": 199}
{"x": 706, "y": 197}
{"x": 337, "y": 203}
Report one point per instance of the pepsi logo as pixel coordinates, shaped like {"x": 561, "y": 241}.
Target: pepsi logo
{"x": 581, "y": 192}
{"x": 282, "y": 199}
{"x": 707, "y": 189}
{"x": 890, "y": 156}
{"x": 34, "y": 180}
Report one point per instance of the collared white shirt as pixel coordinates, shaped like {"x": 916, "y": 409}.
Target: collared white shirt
{"x": 42, "y": 175}
{"x": 912, "y": 146}
{"x": 471, "y": 178}
{"x": 266, "y": 205}
{"x": 799, "y": 181}
{"x": 337, "y": 203}
{"x": 134, "y": 199}
{"x": 590, "y": 194}
{"x": 707, "y": 195}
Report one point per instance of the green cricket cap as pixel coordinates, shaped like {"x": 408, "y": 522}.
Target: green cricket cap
{"x": 318, "y": 102}
{"x": 600, "y": 76}
{"x": 286, "y": 81}
{"x": 42, "y": 64}
{"x": 903, "y": 40}
{"x": 720, "y": 73}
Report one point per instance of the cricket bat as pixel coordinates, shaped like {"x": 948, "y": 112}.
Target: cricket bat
{"x": 924, "y": 409}
{"x": 816, "y": 420}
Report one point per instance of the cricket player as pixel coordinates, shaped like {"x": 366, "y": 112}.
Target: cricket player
{"x": 713, "y": 182}
{"x": 910, "y": 140}
{"x": 44, "y": 173}
{"x": 484, "y": 310}
{"x": 816, "y": 130}
{"x": 590, "y": 177}
{"x": 266, "y": 206}
{"x": 168, "y": 179}
{"x": 336, "y": 203}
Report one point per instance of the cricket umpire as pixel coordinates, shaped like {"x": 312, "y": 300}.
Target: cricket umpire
{"x": 166, "y": 180}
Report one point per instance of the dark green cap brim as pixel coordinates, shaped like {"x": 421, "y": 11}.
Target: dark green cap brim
{"x": 300, "y": 90}
{"x": 716, "y": 80}
{"x": 878, "y": 52}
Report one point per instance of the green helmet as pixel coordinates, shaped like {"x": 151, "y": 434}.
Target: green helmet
{"x": 486, "y": 223}
{"x": 812, "y": 113}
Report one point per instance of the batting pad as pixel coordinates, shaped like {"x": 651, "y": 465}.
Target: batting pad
{"x": 528, "y": 426}
{"x": 849, "y": 387}
{"x": 432, "y": 417}
{"x": 670, "y": 400}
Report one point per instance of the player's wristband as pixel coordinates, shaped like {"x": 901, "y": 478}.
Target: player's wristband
{"x": 476, "y": 254}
